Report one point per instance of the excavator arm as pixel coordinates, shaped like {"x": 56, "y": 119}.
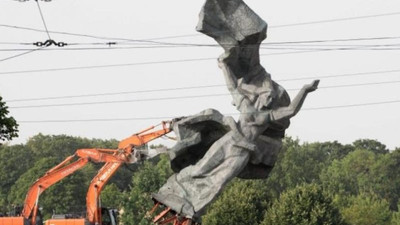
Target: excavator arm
{"x": 108, "y": 170}
{"x": 113, "y": 159}
{"x": 145, "y": 136}
{"x": 64, "y": 169}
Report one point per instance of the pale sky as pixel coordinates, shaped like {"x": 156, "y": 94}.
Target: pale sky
{"x": 375, "y": 61}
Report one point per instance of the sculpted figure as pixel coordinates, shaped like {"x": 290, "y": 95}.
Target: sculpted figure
{"x": 212, "y": 149}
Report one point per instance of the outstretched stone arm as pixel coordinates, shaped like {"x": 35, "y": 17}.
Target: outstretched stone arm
{"x": 295, "y": 105}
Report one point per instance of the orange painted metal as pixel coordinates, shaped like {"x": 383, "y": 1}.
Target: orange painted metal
{"x": 142, "y": 138}
{"x": 13, "y": 221}
{"x": 63, "y": 170}
{"x": 66, "y": 222}
{"x": 160, "y": 216}
{"x": 108, "y": 170}
{"x": 168, "y": 216}
{"x": 113, "y": 159}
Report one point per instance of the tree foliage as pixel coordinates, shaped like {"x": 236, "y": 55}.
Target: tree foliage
{"x": 149, "y": 178}
{"x": 291, "y": 195}
{"x": 371, "y": 145}
{"x": 303, "y": 205}
{"x": 243, "y": 202}
{"x": 367, "y": 209}
{"x": 299, "y": 164}
{"x": 21, "y": 165}
{"x": 14, "y": 162}
{"x": 112, "y": 197}
{"x": 351, "y": 175}
{"x": 385, "y": 178}
{"x": 8, "y": 125}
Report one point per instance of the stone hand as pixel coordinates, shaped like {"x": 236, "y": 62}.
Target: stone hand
{"x": 311, "y": 87}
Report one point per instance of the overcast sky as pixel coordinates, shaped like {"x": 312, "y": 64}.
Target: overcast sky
{"x": 357, "y": 72}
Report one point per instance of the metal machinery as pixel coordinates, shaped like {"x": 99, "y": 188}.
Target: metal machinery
{"x": 113, "y": 159}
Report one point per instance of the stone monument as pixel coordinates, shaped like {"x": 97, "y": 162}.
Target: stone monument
{"x": 212, "y": 148}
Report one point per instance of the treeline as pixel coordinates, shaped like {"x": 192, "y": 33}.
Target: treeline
{"x": 313, "y": 183}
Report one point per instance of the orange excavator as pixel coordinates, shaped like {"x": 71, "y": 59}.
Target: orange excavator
{"x": 113, "y": 158}
{"x": 95, "y": 214}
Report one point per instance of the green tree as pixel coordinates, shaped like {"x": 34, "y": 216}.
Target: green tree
{"x": 396, "y": 218}
{"x": 8, "y": 125}
{"x": 243, "y": 202}
{"x": 61, "y": 146}
{"x": 22, "y": 184}
{"x": 111, "y": 197}
{"x": 299, "y": 164}
{"x": 351, "y": 175}
{"x": 367, "y": 209}
{"x": 148, "y": 179}
{"x": 14, "y": 161}
{"x": 385, "y": 178}
{"x": 304, "y": 205}
{"x": 335, "y": 150}
{"x": 42, "y": 152}
{"x": 67, "y": 196}
{"x": 371, "y": 145}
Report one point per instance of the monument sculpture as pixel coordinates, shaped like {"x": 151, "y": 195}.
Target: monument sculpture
{"x": 212, "y": 148}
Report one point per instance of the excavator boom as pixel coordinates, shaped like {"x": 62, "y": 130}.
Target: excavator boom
{"x": 126, "y": 152}
{"x": 32, "y": 197}
{"x": 108, "y": 170}
{"x": 145, "y": 136}
{"x": 64, "y": 169}
{"x": 113, "y": 158}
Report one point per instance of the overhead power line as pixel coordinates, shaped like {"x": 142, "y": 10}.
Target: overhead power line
{"x": 209, "y": 86}
{"x": 336, "y": 40}
{"x": 336, "y": 20}
{"x": 180, "y": 44}
{"x": 311, "y": 47}
{"x": 20, "y": 54}
{"x": 106, "y": 66}
{"x": 177, "y": 97}
{"x": 114, "y": 93}
{"x": 14, "y": 43}
{"x": 341, "y": 75}
{"x": 352, "y": 105}
{"x": 140, "y": 63}
{"x": 296, "y": 24}
{"x": 80, "y": 35}
{"x": 43, "y": 20}
{"x": 189, "y": 35}
{"x": 176, "y": 116}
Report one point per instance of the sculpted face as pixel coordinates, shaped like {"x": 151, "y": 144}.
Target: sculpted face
{"x": 264, "y": 100}
{"x": 259, "y": 90}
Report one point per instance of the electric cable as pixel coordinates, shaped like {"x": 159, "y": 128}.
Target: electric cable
{"x": 335, "y": 20}
{"x": 212, "y": 86}
{"x": 177, "y": 97}
{"x": 43, "y": 20}
{"x": 295, "y": 24}
{"x": 139, "y": 63}
{"x": 189, "y": 35}
{"x": 375, "y": 47}
{"x": 21, "y": 54}
{"x": 228, "y": 114}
